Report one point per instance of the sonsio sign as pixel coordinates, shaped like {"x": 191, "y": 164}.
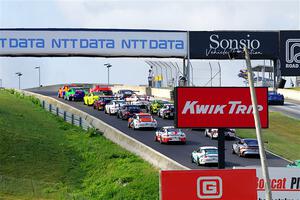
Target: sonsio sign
{"x": 217, "y": 44}
{"x": 290, "y": 53}
{"x": 284, "y": 182}
{"x": 208, "y": 184}
{"x": 92, "y": 42}
{"x": 219, "y": 107}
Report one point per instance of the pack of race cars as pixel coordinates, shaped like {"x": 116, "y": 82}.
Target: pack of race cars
{"x": 139, "y": 111}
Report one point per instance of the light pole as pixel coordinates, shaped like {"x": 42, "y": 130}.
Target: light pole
{"x": 39, "y": 68}
{"x": 108, "y": 65}
{"x": 19, "y": 74}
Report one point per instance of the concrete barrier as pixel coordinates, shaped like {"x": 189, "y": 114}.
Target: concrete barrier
{"x": 163, "y": 93}
{"x": 150, "y": 155}
{"x": 290, "y": 94}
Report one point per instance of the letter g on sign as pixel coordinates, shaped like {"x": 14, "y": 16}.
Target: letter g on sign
{"x": 209, "y": 187}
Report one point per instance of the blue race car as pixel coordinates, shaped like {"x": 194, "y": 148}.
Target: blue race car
{"x": 275, "y": 98}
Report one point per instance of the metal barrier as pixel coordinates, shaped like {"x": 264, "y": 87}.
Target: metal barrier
{"x": 67, "y": 116}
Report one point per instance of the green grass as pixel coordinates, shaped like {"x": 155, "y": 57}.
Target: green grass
{"x": 283, "y": 135}
{"x": 42, "y": 157}
{"x": 295, "y": 88}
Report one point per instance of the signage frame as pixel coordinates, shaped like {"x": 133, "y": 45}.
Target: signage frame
{"x": 264, "y": 126}
{"x": 286, "y": 38}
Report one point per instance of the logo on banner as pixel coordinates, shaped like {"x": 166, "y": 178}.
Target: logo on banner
{"x": 292, "y": 53}
{"x": 222, "y": 46}
{"x": 209, "y": 187}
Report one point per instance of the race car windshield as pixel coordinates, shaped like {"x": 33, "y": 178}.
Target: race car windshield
{"x": 133, "y": 107}
{"x": 107, "y": 92}
{"x": 172, "y": 130}
{"x": 251, "y": 142}
{"x": 98, "y": 93}
{"x": 146, "y": 117}
{"x": 211, "y": 151}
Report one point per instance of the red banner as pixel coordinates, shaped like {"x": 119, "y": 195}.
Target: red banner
{"x": 237, "y": 184}
{"x": 219, "y": 107}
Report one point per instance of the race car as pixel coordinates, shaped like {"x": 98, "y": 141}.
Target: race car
{"x": 122, "y": 94}
{"x": 103, "y": 90}
{"x": 213, "y": 133}
{"x": 142, "y": 120}
{"x": 65, "y": 88}
{"x": 91, "y": 98}
{"x": 156, "y": 105}
{"x": 167, "y": 111}
{"x": 142, "y": 104}
{"x": 205, "y": 155}
{"x": 245, "y": 147}
{"x": 170, "y": 134}
{"x": 275, "y": 98}
{"x": 127, "y": 111}
{"x": 295, "y": 164}
{"x": 113, "y": 106}
{"x": 102, "y": 101}
{"x": 75, "y": 94}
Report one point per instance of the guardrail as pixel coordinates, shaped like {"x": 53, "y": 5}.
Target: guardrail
{"x": 148, "y": 154}
{"x": 67, "y": 116}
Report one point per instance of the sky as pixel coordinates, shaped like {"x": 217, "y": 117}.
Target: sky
{"x": 141, "y": 14}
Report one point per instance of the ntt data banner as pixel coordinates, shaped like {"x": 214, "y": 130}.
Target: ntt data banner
{"x": 290, "y": 53}
{"x": 219, "y": 107}
{"x": 89, "y": 42}
{"x": 217, "y": 44}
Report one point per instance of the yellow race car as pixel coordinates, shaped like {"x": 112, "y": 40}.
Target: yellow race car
{"x": 91, "y": 98}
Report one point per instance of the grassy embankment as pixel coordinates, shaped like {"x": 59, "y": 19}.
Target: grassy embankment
{"x": 295, "y": 88}
{"x": 42, "y": 157}
{"x": 283, "y": 135}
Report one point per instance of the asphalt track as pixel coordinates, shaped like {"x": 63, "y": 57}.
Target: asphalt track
{"x": 177, "y": 152}
{"x": 290, "y": 108}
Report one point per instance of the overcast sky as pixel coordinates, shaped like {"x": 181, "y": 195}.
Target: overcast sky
{"x": 141, "y": 14}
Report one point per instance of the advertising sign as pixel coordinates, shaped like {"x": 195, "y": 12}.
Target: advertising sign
{"x": 285, "y": 183}
{"x": 217, "y": 44}
{"x": 208, "y": 184}
{"x": 92, "y": 42}
{"x": 290, "y": 53}
{"x": 219, "y": 107}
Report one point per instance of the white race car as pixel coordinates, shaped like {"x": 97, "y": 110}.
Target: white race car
{"x": 205, "y": 155}
{"x": 142, "y": 120}
{"x": 113, "y": 106}
{"x": 170, "y": 134}
{"x": 167, "y": 111}
{"x": 213, "y": 133}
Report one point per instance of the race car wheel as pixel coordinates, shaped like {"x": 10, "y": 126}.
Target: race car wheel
{"x": 155, "y": 139}
{"x": 198, "y": 162}
{"x": 94, "y": 107}
{"x": 233, "y": 152}
{"x": 192, "y": 159}
{"x": 118, "y": 115}
{"x": 109, "y": 112}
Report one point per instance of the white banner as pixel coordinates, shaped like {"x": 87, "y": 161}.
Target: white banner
{"x": 43, "y": 42}
{"x": 285, "y": 183}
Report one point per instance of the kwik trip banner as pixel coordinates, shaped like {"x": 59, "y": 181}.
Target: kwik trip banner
{"x": 92, "y": 42}
{"x": 290, "y": 53}
{"x": 219, "y": 107}
{"x": 217, "y": 44}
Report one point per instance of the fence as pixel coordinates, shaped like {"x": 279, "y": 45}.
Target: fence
{"x": 67, "y": 116}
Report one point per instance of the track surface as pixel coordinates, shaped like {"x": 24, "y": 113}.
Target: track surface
{"x": 290, "y": 108}
{"x": 177, "y": 152}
